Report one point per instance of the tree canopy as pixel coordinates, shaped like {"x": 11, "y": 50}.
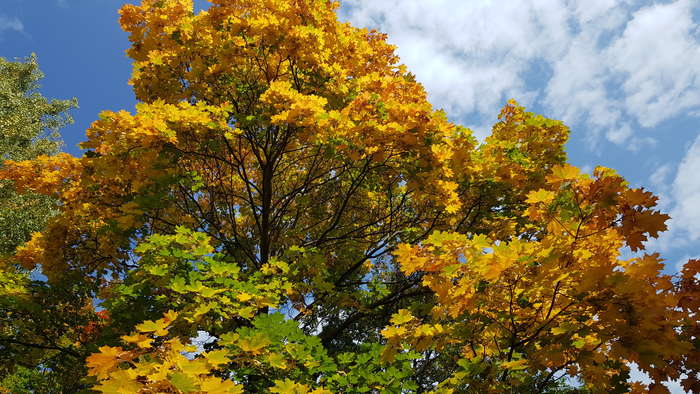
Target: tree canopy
{"x": 29, "y": 124}
{"x": 285, "y": 190}
{"x": 28, "y": 128}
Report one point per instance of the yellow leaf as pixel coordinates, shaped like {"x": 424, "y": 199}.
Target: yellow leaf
{"x": 562, "y": 173}
{"x": 158, "y": 327}
{"x": 213, "y": 385}
{"x": 202, "y": 309}
{"x": 100, "y": 364}
{"x": 231, "y": 134}
{"x": 403, "y": 316}
{"x": 390, "y": 332}
{"x": 542, "y": 195}
{"x": 170, "y": 316}
{"x": 120, "y": 382}
{"x": 493, "y": 268}
{"x": 194, "y": 367}
{"x": 140, "y": 340}
{"x": 515, "y": 364}
{"x": 244, "y": 297}
{"x": 217, "y": 357}
{"x": 254, "y": 344}
{"x": 289, "y": 387}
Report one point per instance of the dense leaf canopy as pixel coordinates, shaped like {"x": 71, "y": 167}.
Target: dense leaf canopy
{"x": 286, "y": 190}
{"x": 28, "y": 129}
{"x": 28, "y": 126}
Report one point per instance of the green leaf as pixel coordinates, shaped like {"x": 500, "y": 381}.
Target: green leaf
{"x": 178, "y": 285}
{"x": 184, "y": 382}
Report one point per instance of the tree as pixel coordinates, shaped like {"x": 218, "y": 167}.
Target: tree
{"x": 29, "y": 125}
{"x": 28, "y": 128}
{"x": 286, "y": 188}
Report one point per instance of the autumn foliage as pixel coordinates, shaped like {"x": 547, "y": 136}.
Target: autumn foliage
{"x": 286, "y": 190}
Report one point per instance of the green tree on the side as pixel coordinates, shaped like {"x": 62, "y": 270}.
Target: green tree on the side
{"x": 29, "y": 124}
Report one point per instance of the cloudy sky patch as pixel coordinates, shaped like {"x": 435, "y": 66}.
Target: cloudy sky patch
{"x": 621, "y": 74}
{"x": 685, "y": 190}
{"x": 10, "y": 23}
{"x": 617, "y": 68}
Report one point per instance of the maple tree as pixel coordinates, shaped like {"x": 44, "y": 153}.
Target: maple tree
{"x": 285, "y": 189}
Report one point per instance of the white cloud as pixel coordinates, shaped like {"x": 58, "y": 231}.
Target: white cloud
{"x": 10, "y": 23}
{"x": 468, "y": 54}
{"x": 659, "y": 177}
{"x": 685, "y": 223}
{"x": 607, "y": 65}
{"x": 660, "y": 60}
{"x": 681, "y": 199}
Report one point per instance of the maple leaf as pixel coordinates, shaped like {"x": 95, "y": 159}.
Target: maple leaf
{"x": 193, "y": 367}
{"x": 563, "y": 173}
{"x": 213, "y": 385}
{"x": 244, "y": 297}
{"x": 184, "y": 382}
{"x": 541, "y": 195}
{"x": 254, "y": 344}
{"x": 158, "y": 327}
{"x": 217, "y": 357}
{"x": 401, "y": 317}
{"x": 390, "y": 332}
{"x": 288, "y": 386}
{"x": 102, "y": 363}
{"x": 140, "y": 340}
{"x": 514, "y": 365}
{"x": 640, "y": 197}
{"x": 277, "y": 360}
{"x": 690, "y": 269}
{"x": 120, "y": 382}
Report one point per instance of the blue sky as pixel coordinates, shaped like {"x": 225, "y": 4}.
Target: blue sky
{"x": 623, "y": 74}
